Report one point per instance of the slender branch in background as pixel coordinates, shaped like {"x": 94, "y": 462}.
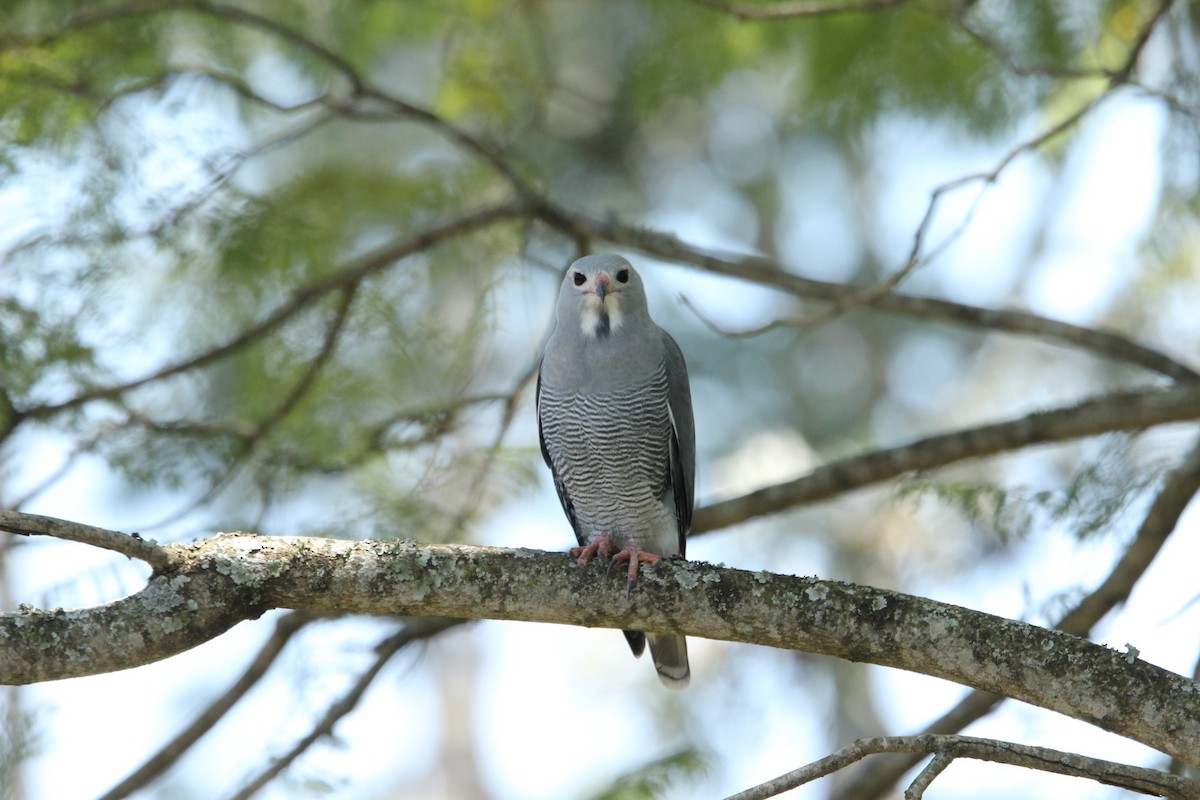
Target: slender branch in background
{"x": 1160, "y": 521}
{"x": 918, "y": 257}
{"x": 867, "y": 296}
{"x": 81, "y": 448}
{"x": 765, "y": 272}
{"x": 1126, "y": 411}
{"x": 285, "y": 628}
{"x": 416, "y": 629}
{"x": 263, "y": 429}
{"x": 359, "y": 88}
{"x": 218, "y": 170}
{"x": 478, "y": 483}
{"x": 947, "y": 748}
{"x": 93, "y": 17}
{"x": 799, "y": 8}
{"x": 1125, "y": 73}
{"x": 353, "y": 272}
{"x": 936, "y": 766}
{"x": 1004, "y": 56}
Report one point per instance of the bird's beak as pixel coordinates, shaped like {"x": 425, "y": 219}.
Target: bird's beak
{"x": 602, "y": 286}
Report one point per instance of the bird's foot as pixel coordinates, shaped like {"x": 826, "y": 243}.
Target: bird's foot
{"x": 601, "y": 546}
{"x": 634, "y": 555}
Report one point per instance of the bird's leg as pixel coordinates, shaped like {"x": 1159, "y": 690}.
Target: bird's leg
{"x": 601, "y": 545}
{"x": 634, "y": 555}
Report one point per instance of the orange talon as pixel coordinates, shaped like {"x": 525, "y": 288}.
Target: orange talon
{"x": 634, "y": 555}
{"x": 583, "y": 555}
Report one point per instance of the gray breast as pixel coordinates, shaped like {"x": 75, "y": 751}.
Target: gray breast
{"x": 612, "y": 453}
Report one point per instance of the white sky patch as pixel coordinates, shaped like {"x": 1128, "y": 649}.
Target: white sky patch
{"x": 816, "y": 234}
{"x": 1111, "y": 181}
{"x": 766, "y": 458}
{"x": 730, "y": 304}
{"x": 700, "y": 209}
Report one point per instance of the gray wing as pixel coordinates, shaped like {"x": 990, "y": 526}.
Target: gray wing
{"x": 559, "y": 487}
{"x": 683, "y": 437}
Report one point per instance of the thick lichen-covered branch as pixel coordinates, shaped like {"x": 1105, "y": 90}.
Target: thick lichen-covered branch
{"x": 213, "y": 584}
{"x": 1157, "y": 526}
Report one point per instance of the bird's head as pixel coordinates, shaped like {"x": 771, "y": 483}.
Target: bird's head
{"x": 601, "y": 293}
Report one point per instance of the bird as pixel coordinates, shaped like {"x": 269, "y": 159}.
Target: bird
{"x": 615, "y": 425}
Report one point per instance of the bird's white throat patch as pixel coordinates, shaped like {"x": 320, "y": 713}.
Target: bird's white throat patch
{"x": 600, "y": 317}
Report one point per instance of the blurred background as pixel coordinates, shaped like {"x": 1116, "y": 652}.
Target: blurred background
{"x": 288, "y": 266}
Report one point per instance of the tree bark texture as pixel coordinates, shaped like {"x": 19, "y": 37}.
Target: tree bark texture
{"x": 211, "y": 585}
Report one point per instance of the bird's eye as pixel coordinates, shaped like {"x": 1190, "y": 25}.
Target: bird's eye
{"x": 579, "y": 279}
{"x": 622, "y": 276}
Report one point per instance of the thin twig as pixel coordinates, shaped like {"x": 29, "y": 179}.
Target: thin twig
{"x": 947, "y": 748}
{"x": 766, "y": 272}
{"x": 1124, "y": 411}
{"x": 414, "y": 630}
{"x": 285, "y": 628}
{"x": 799, "y": 8}
{"x": 925, "y": 778}
{"x": 130, "y": 545}
{"x": 353, "y": 272}
{"x": 1160, "y": 521}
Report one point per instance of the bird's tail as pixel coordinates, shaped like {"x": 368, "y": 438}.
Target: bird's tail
{"x": 670, "y": 659}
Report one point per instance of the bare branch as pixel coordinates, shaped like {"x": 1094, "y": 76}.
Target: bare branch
{"x": 218, "y": 582}
{"x": 160, "y": 762}
{"x": 1160, "y": 521}
{"x": 130, "y": 545}
{"x": 799, "y": 8}
{"x": 352, "y": 273}
{"x": 947, "y": 748}
{"x": 414, "y": 630}
{"x": 1126, "y": 411}
{"x": 925, "y": 778}
{"x": 765, "y": 272}
{"x": 260, "y": 431}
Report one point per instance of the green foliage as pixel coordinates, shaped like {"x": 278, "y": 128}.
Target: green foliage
{"x": 858, "y": 68}
{"x": 1093, "y": 502}
{"x": 40, "y": 348}
{"x": 489, "y": 72}
{"x": 1008, "y": 514}
{"x": 54, "y": 82}
{"x": 655, "y": 778}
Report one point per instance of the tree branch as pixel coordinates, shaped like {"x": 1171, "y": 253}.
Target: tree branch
{"x": 1158, "y": 524}
{"x": 352, "y": 273}
{"x": 213, "y": 584}
{"x": 168, "y": 754}
{"x": 415, "y": 630}
{"x": 799, "y": 8}
{"x": 130, "y": 545}
{"x": 947, "y": 748}
{"x": 765, "y": 272}
{"x": 1126, "y": 411}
